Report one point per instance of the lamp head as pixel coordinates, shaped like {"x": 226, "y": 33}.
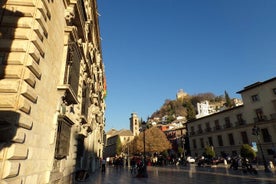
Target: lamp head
{"x": 144, "y": 125}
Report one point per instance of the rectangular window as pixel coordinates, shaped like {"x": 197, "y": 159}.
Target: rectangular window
{"x": 240, "y": 119}
{"x": 194, "y": 144}
{"x": 192, "y": 131}
{"x": 244, "y": 137}
{"x": 260, "y": 114}
{"x": 63, "y": 139}
{"x": 85, "y": 92}
{"x": 80, "y": 150}
{"x": 217, "y": 125}
{"x": 270, "y": 151}
{"x": 199, "y": 129}
{"x": 208, "y": 128}
{"x": 266, "y": 135}
{"x": 202, "y": 142}
{"x": 210, "y": 140}
{"x": 220, "y": 141}
{"x": 231, "y": 139}
{"x": 227, "y": 122}
{"x": 255, "y": 98}
{"x": 274, "y": 91}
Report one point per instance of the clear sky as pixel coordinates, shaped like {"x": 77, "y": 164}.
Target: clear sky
{"x": 153, "y": 48}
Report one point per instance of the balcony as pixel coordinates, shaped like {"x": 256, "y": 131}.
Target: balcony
{"x": 200, "y": 131}
{"x": 228, "y": 125}
{"x": 260, "y": 119}
{"x": 240, "y": 123}
{"x": 217, "y": 127}
{"x": 208, "y": 129}
{"x": 69, "y": 95}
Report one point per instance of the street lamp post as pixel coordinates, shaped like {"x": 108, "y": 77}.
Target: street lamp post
{"x": 128, "y": 158}
{"x": 144, "y": 126}
{"x": 183, "y": 146}
{"x": 256, "y": 132}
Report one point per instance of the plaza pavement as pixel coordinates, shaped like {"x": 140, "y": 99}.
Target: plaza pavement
{"x": 175, "y": 175}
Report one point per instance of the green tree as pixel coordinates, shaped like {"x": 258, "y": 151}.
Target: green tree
{"x": 180, "y": 150}
{"x": 119, "y": 147}
{"x": 191, "y": 113}
{"x": 228, "y": 102}
{"x": 247, "y": 152}
{"x": 209, "y": 152}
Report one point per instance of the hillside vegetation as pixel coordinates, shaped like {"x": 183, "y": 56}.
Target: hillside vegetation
{"x": 187, "y": 106}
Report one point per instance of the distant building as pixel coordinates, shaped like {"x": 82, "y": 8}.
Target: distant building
{"x": 112, "y": 137}
{"x": 203, "y": 109}
{"x": 125, "y": 136}
{"x": 176, "y": 136}
{"x": 181, "y": 94}
{"x": 178, "y": 123}
{"x": 226, "y": 131}
{"x": 134, "y": 124}
{"x": 237, "y": 102}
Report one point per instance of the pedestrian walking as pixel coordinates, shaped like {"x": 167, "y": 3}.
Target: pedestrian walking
{"x": 103, "y": 164}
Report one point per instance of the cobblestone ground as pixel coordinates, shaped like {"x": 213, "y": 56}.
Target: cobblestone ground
{"x": 188, "y": 175}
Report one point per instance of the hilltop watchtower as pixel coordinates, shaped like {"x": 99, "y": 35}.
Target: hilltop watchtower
{"x": 181, "y": 94}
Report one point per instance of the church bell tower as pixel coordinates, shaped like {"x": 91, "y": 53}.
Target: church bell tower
{"x": 134, "y": 124}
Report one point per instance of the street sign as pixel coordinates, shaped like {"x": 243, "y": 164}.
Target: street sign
{"x": 254, "y": 146}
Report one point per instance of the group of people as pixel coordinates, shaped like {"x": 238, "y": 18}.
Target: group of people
{"x": 244, "y": 164}
{"x": 136, "y": 163}
{"x": 137, "y": 166}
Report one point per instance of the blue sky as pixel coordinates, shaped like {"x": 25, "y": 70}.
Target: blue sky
{"x": 153, "y": 48}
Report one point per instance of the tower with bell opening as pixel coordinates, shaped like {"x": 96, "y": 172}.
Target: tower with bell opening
{"x": 134, "y": 124}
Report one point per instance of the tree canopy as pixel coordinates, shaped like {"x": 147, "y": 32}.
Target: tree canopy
{"x": 228, "y": 102}
{"x": 209, "y": 152}
{"x": 118, "y": 146}
{"x": 155, "y": 139}
{"x": 247, "y": 152}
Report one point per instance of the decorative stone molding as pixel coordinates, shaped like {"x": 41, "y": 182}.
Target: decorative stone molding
{"x": 7, "y": 100}
{"x": 19, "y": 137}
{"x": 28, "y": 92}
{"x": 44, "y": 5}
{"x": 17, "y": 152}
{"x": 34, "y": 67}
{"x": 11, "y": 169}
{"x": 9, "y": 85}
{"x": 24, "y": 105}
{"x": 38, "y": 44}
{"x": 29, "y": 77}
{"x": 69, "y": 14}
{"x": 27, "y": 124}
{"x": 39, "y": 18}
{"x": 69, "y": 95}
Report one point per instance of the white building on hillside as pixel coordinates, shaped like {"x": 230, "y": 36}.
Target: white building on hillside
{"x": 203, "y": 109}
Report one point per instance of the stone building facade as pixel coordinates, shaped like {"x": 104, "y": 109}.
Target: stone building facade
{"x": 228, "y": 130}
{"x": 111, "y": 144}
{"x": 52, "y": 90}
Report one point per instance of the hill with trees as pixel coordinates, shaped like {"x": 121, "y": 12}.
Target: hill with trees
{"x": 187, "y": 106}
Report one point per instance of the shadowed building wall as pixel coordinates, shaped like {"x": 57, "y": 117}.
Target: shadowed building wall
{"x": 52, "y": 88}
